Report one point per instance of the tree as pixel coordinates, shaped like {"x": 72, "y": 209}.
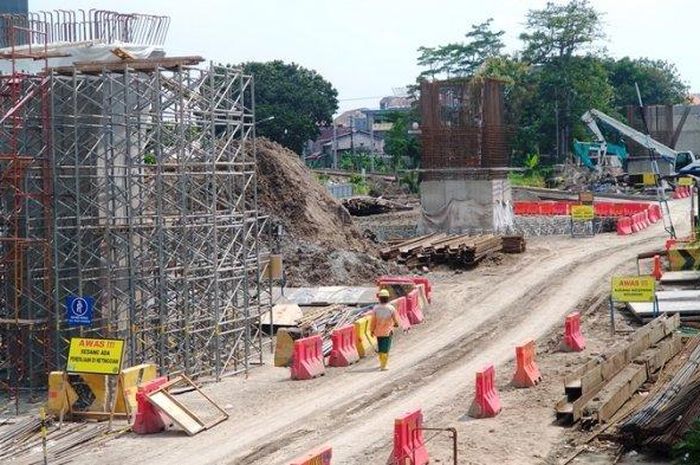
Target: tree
{"x": 557, "y": 37}
{"x": 299, "y": 99}
{"x": 659, "y": 82}
{"x": 560, "y": 31}
{"x": 399, "y": 144}
{"x": 462, "y": 59}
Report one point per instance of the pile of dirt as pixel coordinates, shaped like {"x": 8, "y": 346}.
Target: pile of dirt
{"x": 321, "y": 245}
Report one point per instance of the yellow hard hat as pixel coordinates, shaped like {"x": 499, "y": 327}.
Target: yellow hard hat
{"x": 383, "y": 293}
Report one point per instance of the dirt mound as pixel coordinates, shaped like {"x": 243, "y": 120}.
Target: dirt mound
{"x": 321, "y": 244}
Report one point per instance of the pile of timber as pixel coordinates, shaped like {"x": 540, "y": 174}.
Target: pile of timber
{"x": 513, "y": 244}
{"x": 365, "y": 206}
{"x": 457, "y": 251}
{"x": 669, "y": 412}
{"x": 316, "y": 320}
{"x": 597, "y": 390}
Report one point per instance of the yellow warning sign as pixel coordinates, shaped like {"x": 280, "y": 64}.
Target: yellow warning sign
{"x": 582, "y": 212}
{"x": 649, "y": 179}
{"x": 685, "y": 181}
{"x": 633, "y": 288}
{"x": 100, "y": 356}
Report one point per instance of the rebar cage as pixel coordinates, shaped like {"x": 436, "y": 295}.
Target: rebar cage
{"x": 137, "y": 189}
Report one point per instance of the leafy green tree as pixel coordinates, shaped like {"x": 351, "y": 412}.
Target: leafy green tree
{"x": 558, "y": 32}
{"x": 464, "y": 58}
{"x": 399, "y": 144}
{"x": 299, "y": 99}
{"x": 570, "y": 81}
{"x": 659, "y": 82}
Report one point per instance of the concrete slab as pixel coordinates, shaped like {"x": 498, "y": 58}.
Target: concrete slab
{"x": 680, "y": 276}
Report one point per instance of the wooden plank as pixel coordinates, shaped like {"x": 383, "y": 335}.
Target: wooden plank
{"x": 176, "y": 412}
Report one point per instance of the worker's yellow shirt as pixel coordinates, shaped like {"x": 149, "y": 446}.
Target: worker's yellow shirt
{"x": 385, "y": 317}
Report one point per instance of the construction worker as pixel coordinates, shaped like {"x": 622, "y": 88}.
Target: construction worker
{"x": 384, "y": 320}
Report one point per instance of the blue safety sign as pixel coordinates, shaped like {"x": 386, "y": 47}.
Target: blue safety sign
{"x": 79, "y": 310}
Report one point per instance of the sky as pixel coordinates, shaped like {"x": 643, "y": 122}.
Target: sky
{"x": 366, "y": 48}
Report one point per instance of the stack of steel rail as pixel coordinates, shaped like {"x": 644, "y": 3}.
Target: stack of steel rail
{"x": 457, "y": 251}
{"x": 670, "y": 411}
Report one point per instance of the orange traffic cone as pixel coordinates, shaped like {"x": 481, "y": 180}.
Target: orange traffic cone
{"x": 656, "y": 272}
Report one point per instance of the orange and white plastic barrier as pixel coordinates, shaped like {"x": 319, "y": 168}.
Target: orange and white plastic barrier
{"x": 307, "y": 358}
{"x": 344, "y": 347}
{"x": 487, "y": 402}
{"x": 320, "y": 456}
{"x": 401, "y": 306}
{"x": 148, "y": 419}
{"x": 527, "y": 373}
{"x": 409, "y": 445}
{"x": 573, "y": 338}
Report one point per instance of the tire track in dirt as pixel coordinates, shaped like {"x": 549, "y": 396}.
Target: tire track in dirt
{"x": 351, "y": 413}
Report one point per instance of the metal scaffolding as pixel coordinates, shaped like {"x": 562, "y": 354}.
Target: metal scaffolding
{"x": 137, "y": 189}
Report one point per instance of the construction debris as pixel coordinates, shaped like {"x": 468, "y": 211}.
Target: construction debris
{"x": 456, "y": 251}
{"x": 365, "y": 206}
{"x": 21, "y": 443}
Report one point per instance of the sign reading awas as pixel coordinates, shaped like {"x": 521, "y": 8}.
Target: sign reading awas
{"x": 100, "y": 356}
{"x": 582, "y": 212}
{"x": 633, "y": 288}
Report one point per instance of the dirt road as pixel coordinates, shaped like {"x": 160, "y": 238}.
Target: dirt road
{"x": 476, "y": 317}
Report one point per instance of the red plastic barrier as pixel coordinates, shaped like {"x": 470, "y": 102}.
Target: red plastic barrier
{"x": 307, "y": 358}
{"x": 409, "y": 445}
{"x": 519, "y": 208}
{"x": 344, "y": 347}
{"x": 148, "y": 419}
{"x": 562, "y": 209}
{"x": 320, "y": 456}
{"x": 653, "y": 213}
{"x": 487, "y": 402}
{"x": 547, "y": 208}
{"x": 618, "y": 209}
{"x": 527, "y": 374}
{"x": 426, "y": 285}
{"x": 644, "y": 219}
{"x": 603, "y": 208}
{"x": 415, "y": 313}
{"x": 401, "y": 306}
{"x": 624, "y": 225}
{"x": 573, "y": 338}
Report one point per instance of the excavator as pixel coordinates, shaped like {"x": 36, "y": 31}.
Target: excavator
{"x": 673, "y": 162}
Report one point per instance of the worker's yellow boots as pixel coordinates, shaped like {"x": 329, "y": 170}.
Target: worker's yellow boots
{"x": 383, "y": 360}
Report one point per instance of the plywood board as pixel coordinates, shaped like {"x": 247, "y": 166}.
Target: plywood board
{"x": 175, "y": 411}
{"x": 283, "y": 314}
{"x": 312, "y": 296}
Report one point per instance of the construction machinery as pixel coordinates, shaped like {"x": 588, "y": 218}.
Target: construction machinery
{"x": 674, "y": 162}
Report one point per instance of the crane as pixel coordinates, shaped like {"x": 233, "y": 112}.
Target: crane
{"x": 683, "y": 162}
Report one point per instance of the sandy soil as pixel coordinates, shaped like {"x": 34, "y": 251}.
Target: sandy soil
{"x": 477, "y": 317}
